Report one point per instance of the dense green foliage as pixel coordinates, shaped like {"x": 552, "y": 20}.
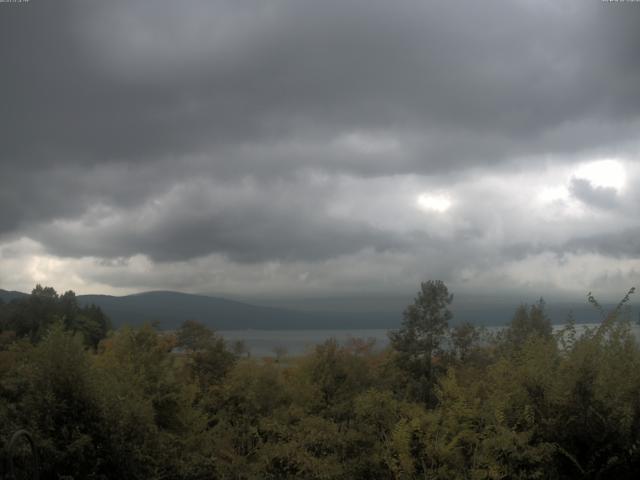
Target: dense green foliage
{"x": 440, "y": 403}
{"x": 32, "y": 316}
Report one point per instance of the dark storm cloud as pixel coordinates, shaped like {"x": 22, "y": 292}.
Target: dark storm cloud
{"x": 250, "y": 229}
{"x": 624, "y": 244}
{"x": 109, "y": 105}
{"x": 602, "y": 197}
{"x": 147, "y": 85}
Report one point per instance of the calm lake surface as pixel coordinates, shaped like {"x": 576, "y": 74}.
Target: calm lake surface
{"x": 264, "y": 343}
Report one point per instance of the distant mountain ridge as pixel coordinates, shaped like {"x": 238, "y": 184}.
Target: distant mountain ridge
{"x": 6, "y": 296}
{"x": 169, "y": 309}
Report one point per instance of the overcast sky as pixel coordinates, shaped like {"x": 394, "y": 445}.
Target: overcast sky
{"x": 283, "y": 148}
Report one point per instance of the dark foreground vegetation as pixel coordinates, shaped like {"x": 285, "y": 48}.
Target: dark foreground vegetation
{"x": 143, "y": 404}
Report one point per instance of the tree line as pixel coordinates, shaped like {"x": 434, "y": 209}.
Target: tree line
{"x": 441, "y": 402}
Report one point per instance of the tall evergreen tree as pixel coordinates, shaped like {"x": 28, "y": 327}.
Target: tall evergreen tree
{"x": 420, "y": 336}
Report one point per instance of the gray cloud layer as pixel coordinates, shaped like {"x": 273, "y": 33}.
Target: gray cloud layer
{"x": 179, "y": 130}
{"x": 603, "y": 197}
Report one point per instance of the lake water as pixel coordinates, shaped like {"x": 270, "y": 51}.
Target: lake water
{"x": 264, "y": 343}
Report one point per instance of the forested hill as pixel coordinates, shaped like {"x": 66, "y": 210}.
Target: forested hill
{"x": 7, "y": 296}
{"x": 170, "y": 309}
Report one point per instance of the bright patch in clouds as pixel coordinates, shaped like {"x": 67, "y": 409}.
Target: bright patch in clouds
{"x": 553, "y": 194}
{"x": 603, "y": 173}
{"x": 436, "y": 203}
